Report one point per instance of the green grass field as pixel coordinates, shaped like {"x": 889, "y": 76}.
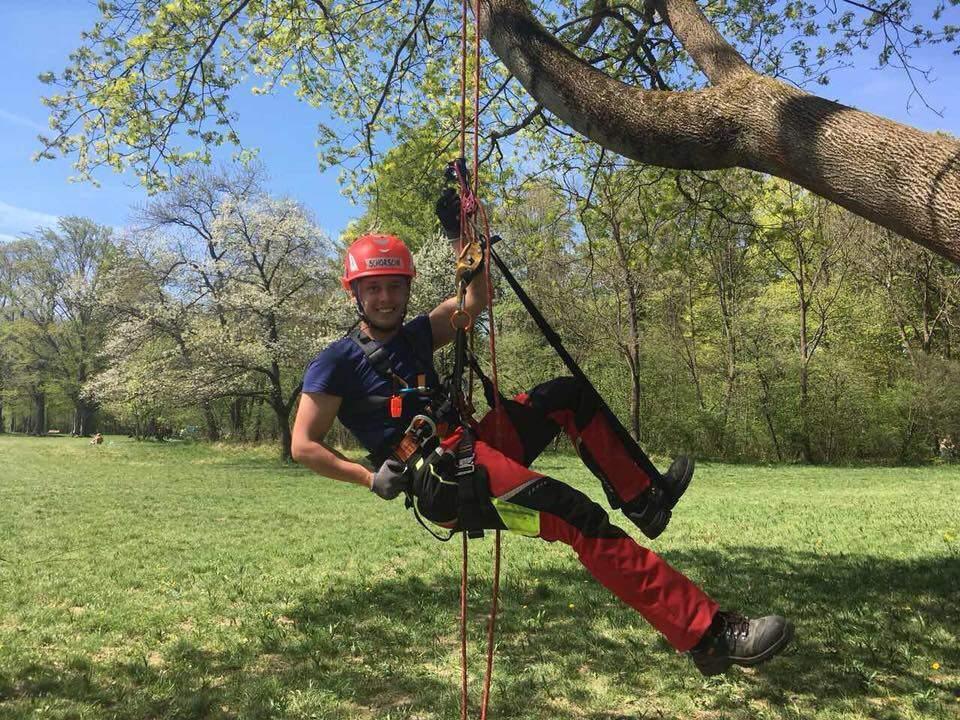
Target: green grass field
{"x": 141, "y": 580}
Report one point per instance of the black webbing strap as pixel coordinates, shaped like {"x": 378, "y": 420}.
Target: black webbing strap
{"x": 381, "y": 362}
{"x": 411, "y": 503}
{"x": 376, "y": 355}
{"x": 489, "y": 392}
{"x": 629, "y": 444}
{"x": 370, "y": 402}
{"x": 472, "y": 489}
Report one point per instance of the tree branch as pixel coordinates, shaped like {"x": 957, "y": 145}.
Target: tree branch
{"x": 388, "y": 81}
{"x": 897, "y": 176}
{"x": 710, "y": 51}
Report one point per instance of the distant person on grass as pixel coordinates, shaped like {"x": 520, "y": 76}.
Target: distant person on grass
{"x": 478, "y": 475}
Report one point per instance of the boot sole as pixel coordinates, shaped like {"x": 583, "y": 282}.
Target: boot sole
{"x": 654, "y": 528}
{"x": 771, "y": 651}
{"x": 683, "y": 482}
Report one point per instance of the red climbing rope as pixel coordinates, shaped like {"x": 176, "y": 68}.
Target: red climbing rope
{"x": 470, "y": 212}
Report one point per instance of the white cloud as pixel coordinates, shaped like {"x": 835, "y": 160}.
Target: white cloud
{"x": 15, "y": 119}
{"x": 15, "y": 220}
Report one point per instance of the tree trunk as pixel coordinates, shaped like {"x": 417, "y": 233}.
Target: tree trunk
{"x": 765, "y": 403}
{"x": 894, "y": 175}
{"x": 281, "y": 411}
{"x": 725, "y": 277}
{"x": 691, "y": 349}
{"x": 635, "y": 397}
{"x": 806, "y": 449}
{"x": 806, "y": 446}
{"x": 237, "y": 418}
{"x": 88, "y": 418}
{"x": 281, "y": 408}
{"x": 84, "y": 411}
{"x": 39, "y": 419}
{"x": 83, "y": 418}
{"x": 258, "y": 423}
{"x": 213, "y": 427}
{"x": 729, "y": 382}
{"x": 286, "y": 437}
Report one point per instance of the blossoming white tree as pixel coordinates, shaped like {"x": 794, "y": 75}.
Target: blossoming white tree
{"x": 224, "y": 293}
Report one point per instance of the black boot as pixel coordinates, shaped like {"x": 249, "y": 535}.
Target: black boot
{"x": 651, "y": 511}
{"x": 736, "y": 640}
{"x": 677, "y": 479}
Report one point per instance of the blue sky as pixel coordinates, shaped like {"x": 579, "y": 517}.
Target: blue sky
{"x": 35, "y": 37}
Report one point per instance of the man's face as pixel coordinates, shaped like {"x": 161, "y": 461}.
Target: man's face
{"x": 384, "y": 300}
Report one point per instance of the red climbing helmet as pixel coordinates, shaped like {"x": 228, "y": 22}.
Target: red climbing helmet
{"x": 376, "y": 254}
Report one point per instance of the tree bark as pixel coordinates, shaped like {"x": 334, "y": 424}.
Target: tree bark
{"x": 281, "y": 411}
{"x": 38, "y": 422}
{"x": 84, "y": 414}
{"x": 806, "y": 445}
{"x": 725, "y": 271}
{"x": 87, "y": 415}
{"x": 237, "y": 419}
{"x": 258, "y": 409}
{"x": 286, "y": 437}
{"x": 894, "y": 175}
{"x": 213, "y": 427}
{"x": 768, "y": 417}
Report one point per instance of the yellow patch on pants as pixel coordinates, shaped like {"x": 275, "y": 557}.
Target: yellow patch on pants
{"x": 517, "y": 518}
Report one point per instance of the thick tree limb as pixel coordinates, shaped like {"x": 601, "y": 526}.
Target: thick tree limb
{"x": 899, "y": 177}
{"x": 710, "y": 51}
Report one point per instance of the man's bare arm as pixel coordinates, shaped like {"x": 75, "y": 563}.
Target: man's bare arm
{"x": 314, "y": 418}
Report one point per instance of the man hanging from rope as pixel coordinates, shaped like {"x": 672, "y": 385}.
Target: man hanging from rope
{"x": 380, "y": 381}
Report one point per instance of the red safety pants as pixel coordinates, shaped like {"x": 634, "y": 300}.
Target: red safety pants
{"x": 524, "y": 427}
{"x": 506, "y": 443}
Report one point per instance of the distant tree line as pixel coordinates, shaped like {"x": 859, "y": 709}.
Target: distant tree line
{"x": 727, "y": 315}
{"x": 744, "y": 319}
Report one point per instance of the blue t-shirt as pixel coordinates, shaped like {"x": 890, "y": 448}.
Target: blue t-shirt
{"x": 343, "y": 370}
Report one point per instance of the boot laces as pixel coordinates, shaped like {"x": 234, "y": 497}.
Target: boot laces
{"x": 735, "y": 626}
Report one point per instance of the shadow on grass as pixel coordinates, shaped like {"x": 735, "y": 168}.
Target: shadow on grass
{"x": 868, "y": 629}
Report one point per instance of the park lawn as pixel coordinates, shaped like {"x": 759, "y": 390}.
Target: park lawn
{"x": 147, "y": 580}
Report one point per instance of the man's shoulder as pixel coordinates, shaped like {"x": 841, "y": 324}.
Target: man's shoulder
{"x": 342, "y": 348}
{"x": 419, "y": 328}
{"x": 331, "y": 370}
{"x": 417, "y": 321}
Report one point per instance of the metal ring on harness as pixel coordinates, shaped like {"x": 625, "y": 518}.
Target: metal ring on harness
{"x": 456, "y": 317}
{"x": 421, "y": 430}
{"x": 417, "y": 423}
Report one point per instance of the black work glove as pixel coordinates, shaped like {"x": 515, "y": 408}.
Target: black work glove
{"x": 390, "y": 480}
{"x": 448, "y": 212}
